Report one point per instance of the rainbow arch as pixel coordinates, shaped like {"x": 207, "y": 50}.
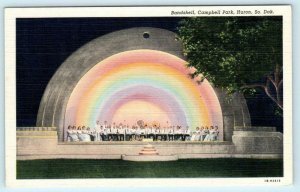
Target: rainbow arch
{"x": 143, "y": 84}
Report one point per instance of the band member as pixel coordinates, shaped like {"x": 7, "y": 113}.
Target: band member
{"x": 215, "y": 134}
{"x": 171, "y": 133}
{"x": 85, "y": 135}
{"x": 79, "y": 133}
{"x": 133, "y": 133}
{"x": 69, "y": 132}
{"x": 98, "y": 131}
{"x": 196, "y": 135}
{"x": 203, "y": 133}
{"x": 156, "y": 133}
{"x": 138, "y": 133}
{"x": 151, "y": 132}
{"x": 193, "y": 137}
{"x": 121, "y": 132}
{"x": 211, "y": 133}
{"x": 207, "y": 134}
{"x": 146, "y": 132}
{"x": 128, "y": 135}
{"x": 164, "y": 134}
{"x": 92, "y": 133}
{"x": 104, "y": 133}
{"x": 178, "y": 133}
{"x": 185, "y": 133}
{"x": 73, "y": 134}
{"x": 142, "y": 133}
{"x": 114, "y": 132}
{"x": 109, "y": 133}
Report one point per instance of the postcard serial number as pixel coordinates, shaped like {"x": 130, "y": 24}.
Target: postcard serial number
{"x": 272, "y": 180}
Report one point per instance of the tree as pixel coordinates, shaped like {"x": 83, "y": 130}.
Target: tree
{"x": 236, "y": 53}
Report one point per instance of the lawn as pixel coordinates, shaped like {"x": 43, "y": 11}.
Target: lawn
{"x": 88, "y": 168}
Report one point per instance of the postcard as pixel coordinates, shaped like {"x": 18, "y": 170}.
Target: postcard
{"x": 163, "y": 95}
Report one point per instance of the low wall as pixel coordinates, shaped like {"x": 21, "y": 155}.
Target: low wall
{"x": 42, "y": 143}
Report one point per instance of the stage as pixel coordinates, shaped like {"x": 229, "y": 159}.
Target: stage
{"x": 43, "y": 143}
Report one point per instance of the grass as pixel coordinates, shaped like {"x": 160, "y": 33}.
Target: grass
{"x": 88, "y": 168}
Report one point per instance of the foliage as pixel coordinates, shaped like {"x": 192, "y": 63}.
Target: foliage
{"x": 236, "y": 53}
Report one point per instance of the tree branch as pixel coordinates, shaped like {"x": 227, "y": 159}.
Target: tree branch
{"x": 279, "y": 91}
{"x": 267, "y": 91}
{"x": 270, "y": 95}
{"x": 280, "y": 83}
{"x": 273, "y": 82}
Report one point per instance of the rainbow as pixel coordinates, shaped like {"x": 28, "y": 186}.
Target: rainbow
{"x": 144, "y": 85}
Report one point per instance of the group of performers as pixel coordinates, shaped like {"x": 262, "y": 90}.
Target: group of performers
{"x": 138, "y": 133}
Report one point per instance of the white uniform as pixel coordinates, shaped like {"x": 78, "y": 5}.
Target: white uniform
{"x": 202, "y": 134}
{"x": 80, "y": 136}
{"x": 69, "y": 131}
{"x": 121, "y": 131}
{"x": 98, "y": 132}
{"x": 114, "y": 130}
{"x": 85, "y": 136}
{"x": 208, "y": 134}
{"x": 73, "y": 135}
{"x": 138, "y": 131}
{"x": 170, "y": 131}
{"x": 197, "y": 135}
{"x": 132, "y": 131}
{"x": 193, "y": 137}
{"x": 214, "y": 135}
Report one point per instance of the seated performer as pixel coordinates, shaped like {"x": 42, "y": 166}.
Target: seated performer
{"x": 104, "y": 133}
{"x": 109, "y": 133}
{"x": 202, "y": 133}
{"x": 79, "y": 133}
{"x": 69, "y": 130}
{"x": 114, "y": 132}
{"x": 209, "y": 134}
{"x": 117, "y": 132}
{"x": 171, "y": 133}
{"x": 85, "y": 135}
{"x": 146, "y": 128}
{"x": 133, "y": 133}
{"x": 142, "y": 133}
{"x": 194, "y": 135}
{"x": 197, "y": 134}
{"x": 186, "y": 133}
{"x": 73, "y": 134}
{"x": 138, "y": 133}
{"x": 178, "y": 133}
{"x": 98, "y": 131}
{"x": 128, "y": 136}
{"x": 121, "y": 132}
{"x": 151, "y": 132}
{"x": 215, "y": 134}
{"x": 156, "y": 133}
{"x": 91, "y": 133}
{"x": 164, "y": 133}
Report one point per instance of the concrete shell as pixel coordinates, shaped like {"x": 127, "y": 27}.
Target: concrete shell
{"x": 54, "y": 101}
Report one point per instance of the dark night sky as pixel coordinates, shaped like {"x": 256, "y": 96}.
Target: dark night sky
{"x": 43, "y": 44}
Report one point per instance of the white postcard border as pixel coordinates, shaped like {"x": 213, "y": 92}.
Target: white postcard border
{"x": 158, "y": 11}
